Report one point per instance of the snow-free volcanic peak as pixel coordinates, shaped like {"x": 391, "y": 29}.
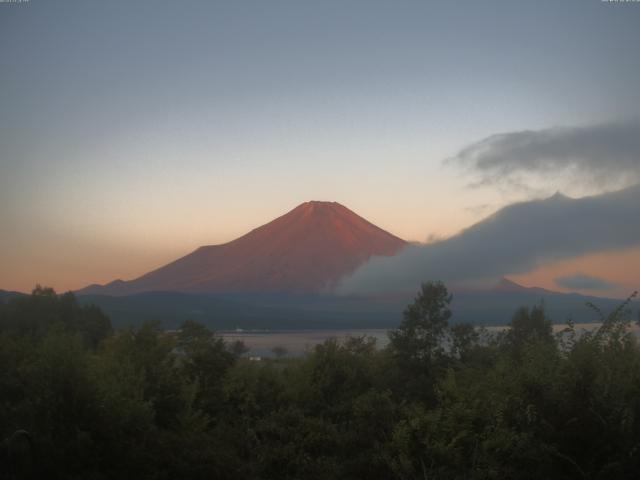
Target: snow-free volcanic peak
{"x": 307, "y": 250}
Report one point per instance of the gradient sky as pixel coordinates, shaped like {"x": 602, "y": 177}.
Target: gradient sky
{"x": 132, "y": 132}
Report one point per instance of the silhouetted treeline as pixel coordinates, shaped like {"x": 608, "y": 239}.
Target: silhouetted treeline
{"x": 79, "y": 400}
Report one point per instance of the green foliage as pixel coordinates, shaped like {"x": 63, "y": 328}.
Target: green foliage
{"x": 529, "y": 327}
{"x": 419, "y": 336}
{"x": 78, "y": 400}
{"x": 279, "y": 351}
{"x": 418, "y": 344}
{"x": 36, "y": 315}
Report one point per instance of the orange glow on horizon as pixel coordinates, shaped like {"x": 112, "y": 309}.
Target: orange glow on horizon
{"x": 621, "y": 268}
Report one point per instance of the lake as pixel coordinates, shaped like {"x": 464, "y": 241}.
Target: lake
{"x": 298, "y": 342}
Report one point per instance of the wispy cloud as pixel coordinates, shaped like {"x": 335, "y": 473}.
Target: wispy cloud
{"x": 514, "y": 240}
{"x": 580, "y": 281}
{"x": 602, "y": 156}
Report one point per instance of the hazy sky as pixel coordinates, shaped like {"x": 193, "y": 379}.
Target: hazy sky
{"x": 132, "y": 132}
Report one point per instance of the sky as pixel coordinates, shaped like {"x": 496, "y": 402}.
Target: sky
{"x": 132, "y": 132}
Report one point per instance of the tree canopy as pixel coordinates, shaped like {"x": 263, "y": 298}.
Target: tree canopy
{"x": 81, "y": 400}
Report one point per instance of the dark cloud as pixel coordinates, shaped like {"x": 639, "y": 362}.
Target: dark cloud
{"x": 580, "y": 281}
{"x": 602, "y": 155}
{"x": 513, "y": 240}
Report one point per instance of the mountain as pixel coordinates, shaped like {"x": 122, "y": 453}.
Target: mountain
{"x": 307, "y": 250}
{"x": 509, "y": 286}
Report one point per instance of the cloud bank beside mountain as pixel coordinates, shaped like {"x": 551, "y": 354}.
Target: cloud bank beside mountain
{"x": 514, "y": 240}
{"x": 599, "y": 157}
{"x": 581, "y": 281}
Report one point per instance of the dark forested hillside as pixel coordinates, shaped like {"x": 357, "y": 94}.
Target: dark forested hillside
{"x": 283, "y": 311}
{"x": 79, "y": 399}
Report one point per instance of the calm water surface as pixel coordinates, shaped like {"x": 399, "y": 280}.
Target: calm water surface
{"x": 298, "y": 342}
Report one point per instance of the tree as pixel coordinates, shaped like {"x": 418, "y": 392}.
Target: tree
{"x": 530, "y": 327}
{"x": 43, "y": 311}
{"x": 279, "y": 351}
{"x": 464, "y": 338}
{"x": 417, "y": 345}
{"x": 205, "y": 360}
{"x": 238, "y": 348}
{"x": 419, "y": 337}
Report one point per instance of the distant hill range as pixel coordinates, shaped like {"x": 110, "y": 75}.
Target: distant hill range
{"x": 307, "y": 250}
{"x": 271, "y": 311}
{"x": 493, "y": 306}
{"x": 7, "y": 295}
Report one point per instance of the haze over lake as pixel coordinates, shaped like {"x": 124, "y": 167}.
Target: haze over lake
{"x": 300, "y": 342}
